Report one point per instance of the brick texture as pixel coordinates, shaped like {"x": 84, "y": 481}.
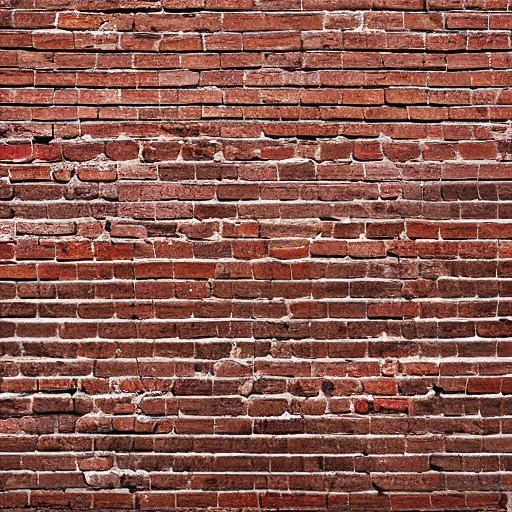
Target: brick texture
{"x": 256, "y": 254}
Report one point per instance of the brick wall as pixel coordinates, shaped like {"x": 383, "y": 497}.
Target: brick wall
{"x": 255, "y": 254}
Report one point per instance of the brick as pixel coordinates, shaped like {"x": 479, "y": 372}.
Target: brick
{"x": 255, "y": 255}
{"x": 122, "y": 150}
{"x": 16, "y": 152}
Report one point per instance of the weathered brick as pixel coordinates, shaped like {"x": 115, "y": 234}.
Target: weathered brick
{"x": 254, "y": 255}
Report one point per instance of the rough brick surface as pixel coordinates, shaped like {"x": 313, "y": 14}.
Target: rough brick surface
{"x": 256, "y": 254}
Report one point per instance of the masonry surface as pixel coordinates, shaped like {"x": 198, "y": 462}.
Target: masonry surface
{"x": 255, "y": 255}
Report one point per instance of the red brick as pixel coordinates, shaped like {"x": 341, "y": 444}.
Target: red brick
{"x": 254, "y": 255}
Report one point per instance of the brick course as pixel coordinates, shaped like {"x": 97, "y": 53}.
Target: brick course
{"x": 255, "y": 255}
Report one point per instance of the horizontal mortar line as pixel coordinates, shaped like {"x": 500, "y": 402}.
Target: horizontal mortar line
{"x": 264, "y": 87}
{"x": 125, "y": 454}
{"x": 23, "y": 319}
{"x": 161, "y": 9}
{"x": 219, "y": 281}
{"x": 240, "y": 339}
{"x": 259, "y": 472}
{"x": 275, "y": 122}
{"x": 238, "y": 300}
{"x": 269, "y": 320}
{"x": 211, "y": 436}
{"x": 304, "y": 222}
{"x": 420, "y": 359}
